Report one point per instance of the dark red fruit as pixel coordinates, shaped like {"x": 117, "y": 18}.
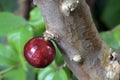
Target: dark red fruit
{"x": 39, "y": 52}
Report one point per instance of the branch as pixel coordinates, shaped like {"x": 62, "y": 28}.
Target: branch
{"x": 70, "y": 24}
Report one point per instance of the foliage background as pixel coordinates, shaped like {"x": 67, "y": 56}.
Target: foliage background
{"x": 16, "y": 30}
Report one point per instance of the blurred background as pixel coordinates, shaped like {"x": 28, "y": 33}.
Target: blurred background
{"x": 20, "y": 20}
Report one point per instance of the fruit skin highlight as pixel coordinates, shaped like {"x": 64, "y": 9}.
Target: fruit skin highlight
{"x": 39, "y": 52}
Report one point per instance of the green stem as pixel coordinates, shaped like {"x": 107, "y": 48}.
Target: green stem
{"x": 8, "y": 69}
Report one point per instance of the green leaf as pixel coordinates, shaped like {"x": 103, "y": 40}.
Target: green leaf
{"x": 9, "y": 22}
{"x": 116, "y": 33}
{"x": 111, "y": 14}
{"x": 46, "y": 72}
{"x": 37, "y": 22}
{"x": 18, "y": 38}
{"x": 31, "y": 74}
{"x": 51, "y": 73}
{"x": 2, "y": 39}
{"x": 112, "y": 37}
{"x": 109, "y": 39}
{"x": 8, "y": 5}
{"x": 16, "y": 74}
{"x": 58, "y": 59}
{"x": 60, "y": 74}
{"x": 74, "y": 77}
{"x": 8, "y": 56}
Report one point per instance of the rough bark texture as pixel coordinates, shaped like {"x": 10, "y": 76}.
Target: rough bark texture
{"x": 76, "y": 34}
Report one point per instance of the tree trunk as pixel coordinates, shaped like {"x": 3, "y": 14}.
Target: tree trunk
{"x": 73, "y": 29}
{"x": 24, "y": 8}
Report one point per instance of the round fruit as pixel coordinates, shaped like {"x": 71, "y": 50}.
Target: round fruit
{"x": 39, "y": 52}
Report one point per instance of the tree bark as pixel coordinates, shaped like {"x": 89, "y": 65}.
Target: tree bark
{"x": 24, "y": 8}
{"x": 76, "y": 34}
